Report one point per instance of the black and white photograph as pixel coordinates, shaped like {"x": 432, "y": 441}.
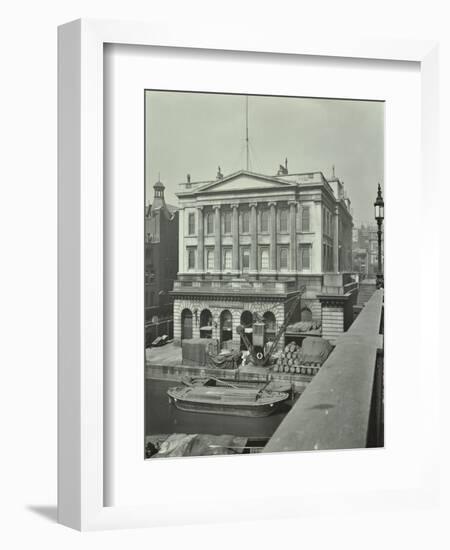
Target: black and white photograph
{"x": 263, "y": 272}
{"x": 229, "y": 222}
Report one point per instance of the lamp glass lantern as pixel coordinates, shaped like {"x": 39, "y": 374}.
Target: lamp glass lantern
{"x": 379, "y": 206}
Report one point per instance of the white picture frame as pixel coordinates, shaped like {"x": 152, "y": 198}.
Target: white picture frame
{"x": 81, "y": 482}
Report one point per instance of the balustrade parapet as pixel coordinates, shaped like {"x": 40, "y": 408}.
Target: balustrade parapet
{"x": 334, "y": 411}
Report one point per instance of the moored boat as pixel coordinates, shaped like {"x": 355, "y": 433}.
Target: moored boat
{"x": 272, "y": 385}
{"x": 232, "y": 401}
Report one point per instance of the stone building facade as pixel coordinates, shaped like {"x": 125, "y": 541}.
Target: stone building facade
{"x": 365, "y": 251}
{"x": 248, "y": 242}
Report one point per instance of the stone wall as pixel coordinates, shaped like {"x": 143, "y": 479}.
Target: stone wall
{"x": 332, "y": 322}
{"x": 337, "y": 314}
{"x": 236, "y": 308}
{"x": 314, "y": 306}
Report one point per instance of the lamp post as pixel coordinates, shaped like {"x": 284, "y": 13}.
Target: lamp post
{"x": 379, "y": 216}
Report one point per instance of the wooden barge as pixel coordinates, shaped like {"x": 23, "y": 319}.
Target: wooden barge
{"x": 232, "y": 401}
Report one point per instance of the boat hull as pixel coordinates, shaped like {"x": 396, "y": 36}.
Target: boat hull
{"x": 254, "y": 411}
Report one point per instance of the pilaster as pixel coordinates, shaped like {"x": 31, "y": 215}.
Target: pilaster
{"x": 336, "y": 241}
{"x": 293, "y": 234}
{"x": 200, "y": 239}
{"x": 235, "y": 235}
{"x": 254, "y": 238}
{"x": 273, "y": 236}
{"x": 217, "y": 244}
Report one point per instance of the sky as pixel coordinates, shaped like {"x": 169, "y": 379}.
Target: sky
{"x": 197, "y": 132}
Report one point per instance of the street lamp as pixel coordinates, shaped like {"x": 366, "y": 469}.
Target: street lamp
{"x": 379, "y": 216}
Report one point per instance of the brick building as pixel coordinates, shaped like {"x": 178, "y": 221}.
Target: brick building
{"x": 248, "y": 242}
{"x": 161, "y": 264}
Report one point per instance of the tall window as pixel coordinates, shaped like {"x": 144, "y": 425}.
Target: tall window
{"x": 305, "y": 219}
{"x": 227, "y": 222}
{"x": 209, "y": 259}
{"x": 245, "y": 256}
{"x": 191, "y": 257}
{"x": 305, "y": 256}
{"x": 283, "y": 258}
{"x": 264, "y": 220}
{"x": 227, "y": 259}
{"x": 284, "y": 220}
{"x": 264, "y": 259}
{"x": 327, "y": 257}
{"x": 210, "y": 223}
{"x": 245, "y": 221}
{"x": 191, "y": 223}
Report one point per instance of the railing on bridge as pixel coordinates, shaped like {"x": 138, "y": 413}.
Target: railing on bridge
{"x": 342, "y": 407}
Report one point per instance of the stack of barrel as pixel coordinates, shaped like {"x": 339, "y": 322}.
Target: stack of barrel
{"x": 290, "y": 361}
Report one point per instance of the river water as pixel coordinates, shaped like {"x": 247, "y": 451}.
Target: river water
{"x": 161, "y": 417}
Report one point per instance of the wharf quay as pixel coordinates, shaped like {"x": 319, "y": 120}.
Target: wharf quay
{"x": 165, "y": 363}
{"x": 342, "y": 407}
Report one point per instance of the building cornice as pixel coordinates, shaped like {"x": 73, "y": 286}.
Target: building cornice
{"x": 228, "y": 296}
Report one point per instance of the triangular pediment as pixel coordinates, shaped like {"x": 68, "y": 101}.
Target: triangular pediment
{"x": 242, "y": 181}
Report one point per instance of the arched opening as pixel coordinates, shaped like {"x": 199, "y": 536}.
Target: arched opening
{"x": 305, "y": 314}
{"x": 186, "y": 324}
{"x": 247, "y": 319}
{"x": 270, "y": 326}
{"x": 247, "y": 324}
{"x": 205, "y": 324}
{"x": 226, "y": 326}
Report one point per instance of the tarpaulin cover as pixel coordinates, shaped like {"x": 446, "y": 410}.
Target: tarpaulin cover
{"x": 195, "y": 350}
{"x": 304, "y": 326}
{"x": 200, "y": 445}
{"x": 228, "y": 360}
{"x": 314, "y": 350}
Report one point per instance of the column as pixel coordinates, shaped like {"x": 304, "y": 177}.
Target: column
{"x": 254, "y": 237}
{"x": 235, "y": 235}
{"x": 217, "y": 232}
{"x": 200, "y": 239}
{"x": 273, "y": 236}
{"x": 336, "y": 241}
{"x": 293, "y": 233}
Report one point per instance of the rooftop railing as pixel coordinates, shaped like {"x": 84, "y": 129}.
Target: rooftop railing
{"x": 342, "y": 407}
